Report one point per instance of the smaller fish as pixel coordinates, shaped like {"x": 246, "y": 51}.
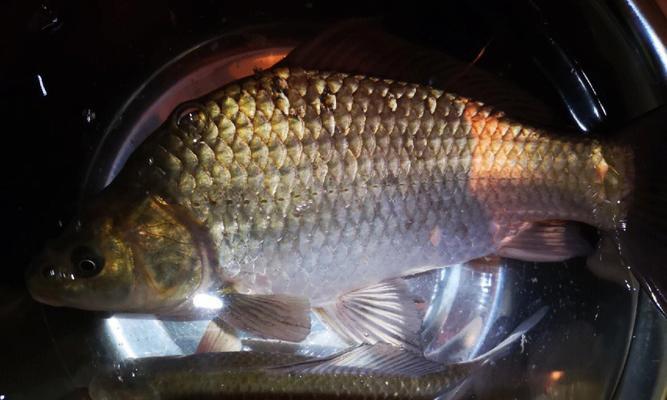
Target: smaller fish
{"x": 379, "y": 371}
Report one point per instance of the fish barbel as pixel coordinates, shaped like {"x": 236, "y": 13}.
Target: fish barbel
{"x": 294, "y": 189}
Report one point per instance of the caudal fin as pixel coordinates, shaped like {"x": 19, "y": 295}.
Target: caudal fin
{"x": 643, "y": 234}
{"x": 519, "y": 332}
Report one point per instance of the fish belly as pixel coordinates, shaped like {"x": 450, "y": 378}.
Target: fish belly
{"x": 349, "y": 242}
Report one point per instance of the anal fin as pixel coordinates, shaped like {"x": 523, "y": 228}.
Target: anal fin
{"x": 275, "y": 316}
{"x": 382, "y": 313}
{"x": 546, "y": 241}
{"x": 218, "y": 337}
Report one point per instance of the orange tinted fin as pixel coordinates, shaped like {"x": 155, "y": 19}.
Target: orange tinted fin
{"x": 218, "y": 337}
{"x": 382, "y": 313}
{"x": 546, "y": 241}
{"x": 270, "y": 316}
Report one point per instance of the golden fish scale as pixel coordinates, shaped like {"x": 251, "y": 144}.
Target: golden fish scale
{"x": 292, "y": 150}
{"x": 286, "y": 130}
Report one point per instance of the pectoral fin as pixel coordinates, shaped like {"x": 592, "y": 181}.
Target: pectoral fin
{"x": 546, "y": 241}
{"x": 380, "y": 313}
{"x": 270, "y": 316}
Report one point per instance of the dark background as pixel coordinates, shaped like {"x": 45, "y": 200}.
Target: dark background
{"x": 91, "y": 55}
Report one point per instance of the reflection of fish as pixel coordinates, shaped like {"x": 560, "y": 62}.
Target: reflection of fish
{"x": 294, "y": 188}
{"x": 365, "y": 372}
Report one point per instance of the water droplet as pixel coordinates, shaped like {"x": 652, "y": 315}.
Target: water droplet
{"x": 60, "y": 223}
{"x": 42, "y": 87}
{"x": 89, "y": 115}
{"x": 150, "y": 161}
{"x": 45, "y": 19}
{"x": 300, "y": 208}
{"x": 190, "y": 117}
{"x": 49, "y": 272}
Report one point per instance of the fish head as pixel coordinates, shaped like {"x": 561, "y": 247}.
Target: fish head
{"x": 137, "y": 255}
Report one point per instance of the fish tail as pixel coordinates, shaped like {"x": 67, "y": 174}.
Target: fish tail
{"x": 519, "y": 334}
{"x": 462, "y": 371}
{"x": 642, "y": 234}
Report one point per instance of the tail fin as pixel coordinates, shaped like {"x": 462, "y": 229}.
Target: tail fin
{"x": 643, "y": 235}
{"x": 392, "y": 360}
{"x": 504, "y": 347}
{"x": 460, "y": 389}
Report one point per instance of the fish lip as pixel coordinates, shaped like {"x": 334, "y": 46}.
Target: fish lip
{"x": 36, "y": 291}
{"x": 45, "y": 300}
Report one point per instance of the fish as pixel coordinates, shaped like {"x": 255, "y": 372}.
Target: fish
{"x": 378, "y": 371}
{"x": 295, "y": 190}
{"x": 217, "y": 375}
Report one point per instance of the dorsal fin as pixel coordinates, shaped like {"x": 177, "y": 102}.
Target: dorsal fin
{"x": 369, "y": 359}
{"x": 363, "y": 46}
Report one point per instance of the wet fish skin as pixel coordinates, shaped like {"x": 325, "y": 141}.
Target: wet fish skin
{"x": 292, "y": 181}
{"x": 300, "y": 175}
{"x": 378, "y": 371}
{"x": 253, "y": 375}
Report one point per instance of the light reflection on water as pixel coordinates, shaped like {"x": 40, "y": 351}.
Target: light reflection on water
{"x": 137, "y": 337}
{"x": 452, "y": 330}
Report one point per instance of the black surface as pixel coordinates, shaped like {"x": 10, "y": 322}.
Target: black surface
{"x": 92, "y": 54}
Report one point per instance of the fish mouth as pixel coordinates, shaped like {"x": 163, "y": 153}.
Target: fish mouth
{"x": 38, "y": 287}
{"x": 37, "y": 292}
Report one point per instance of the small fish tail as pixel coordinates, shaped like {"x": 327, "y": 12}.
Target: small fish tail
{"x": 463, "y": 370}
{"x": 504, "y": 347}
{"x": 642, "y": 234}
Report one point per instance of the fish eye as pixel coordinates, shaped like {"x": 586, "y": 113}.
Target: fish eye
{"x": 86, "y": 262}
